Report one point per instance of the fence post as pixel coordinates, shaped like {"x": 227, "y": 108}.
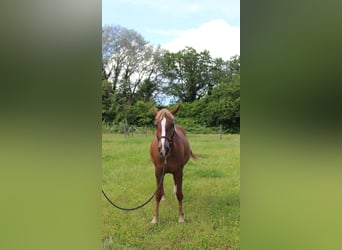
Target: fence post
{"x": 145, "y": 130}
{"x": 220, "y": 132}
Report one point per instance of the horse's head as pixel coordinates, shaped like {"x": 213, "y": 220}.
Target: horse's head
{"x": 165, "y": 129}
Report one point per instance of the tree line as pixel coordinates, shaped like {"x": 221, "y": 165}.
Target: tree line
{"x": 137, "y": 76}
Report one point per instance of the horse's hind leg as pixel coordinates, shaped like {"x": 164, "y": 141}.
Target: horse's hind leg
{"x": 159, "y": 195}
{"x": 178, "y": 179}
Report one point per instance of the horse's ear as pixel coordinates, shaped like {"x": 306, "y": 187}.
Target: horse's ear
{"x": 154, "y": 111}
{"x": 175, "y": 110}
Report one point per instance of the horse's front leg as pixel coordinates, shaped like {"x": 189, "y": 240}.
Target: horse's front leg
{"x": 159, "y": 195}
{"x": 178, "y": 179}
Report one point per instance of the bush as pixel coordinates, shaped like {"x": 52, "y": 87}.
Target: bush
{"x": 191, "y": 126}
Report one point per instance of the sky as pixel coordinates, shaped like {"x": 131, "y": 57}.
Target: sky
{"x": 213, "y": 25}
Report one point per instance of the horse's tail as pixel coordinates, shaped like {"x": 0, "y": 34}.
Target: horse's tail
{"x": 193, "y": 156}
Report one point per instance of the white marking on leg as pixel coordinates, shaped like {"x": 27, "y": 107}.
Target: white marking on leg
{"x": 181, "y": 218}
{"x": 154, "y": 220}
{"x": 174, "y": 189}
{"x": 163, "y": 123}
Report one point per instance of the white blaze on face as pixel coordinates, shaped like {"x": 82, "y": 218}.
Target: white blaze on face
{"x": 163, "y": 124}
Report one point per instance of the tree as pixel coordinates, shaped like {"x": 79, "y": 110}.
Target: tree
{"x": 223, "y": 106}
{"x": 106, "y": 100}
{"x": 187, "y": 74}
{"x": 142, "y": 113}
{"x": 147, "y": 90}
{"x": 130, "y": 62}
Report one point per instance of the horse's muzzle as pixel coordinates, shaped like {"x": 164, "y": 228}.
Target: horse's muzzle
{"x": 164, "y": 151}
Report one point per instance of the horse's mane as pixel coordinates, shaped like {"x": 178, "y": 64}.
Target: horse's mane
{"x": 164, "y": 113}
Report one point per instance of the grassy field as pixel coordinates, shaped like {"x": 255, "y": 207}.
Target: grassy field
{"x": 211, "y": 188}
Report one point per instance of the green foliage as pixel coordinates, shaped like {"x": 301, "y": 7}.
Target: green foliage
{"x": 224, "y": 107}
{"x": 141, "y": 113}
{"x": 188, "y": 74}
{"x": 146, "y": 90}
{"x": 191, "y": 126}
{"x": 138, "y": 115}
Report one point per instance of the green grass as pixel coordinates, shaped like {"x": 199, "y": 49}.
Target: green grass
{"x": 211, "y": 188}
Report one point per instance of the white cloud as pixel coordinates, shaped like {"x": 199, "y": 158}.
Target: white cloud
{"x": 217, "y": 36}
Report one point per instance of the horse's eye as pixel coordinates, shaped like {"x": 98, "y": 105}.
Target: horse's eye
{"x": 172, "y": 126}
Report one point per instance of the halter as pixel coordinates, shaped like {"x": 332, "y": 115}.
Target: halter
{"x": 170, "y": 140}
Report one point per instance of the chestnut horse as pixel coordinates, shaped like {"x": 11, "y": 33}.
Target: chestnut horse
{"x": 169, "y": 146}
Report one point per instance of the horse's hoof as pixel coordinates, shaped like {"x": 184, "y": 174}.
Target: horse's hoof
{"x": 154, "y": 220}
{"x": 181, "y": 218}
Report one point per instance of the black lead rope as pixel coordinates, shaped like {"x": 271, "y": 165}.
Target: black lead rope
{"x": 142, "y": 205}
